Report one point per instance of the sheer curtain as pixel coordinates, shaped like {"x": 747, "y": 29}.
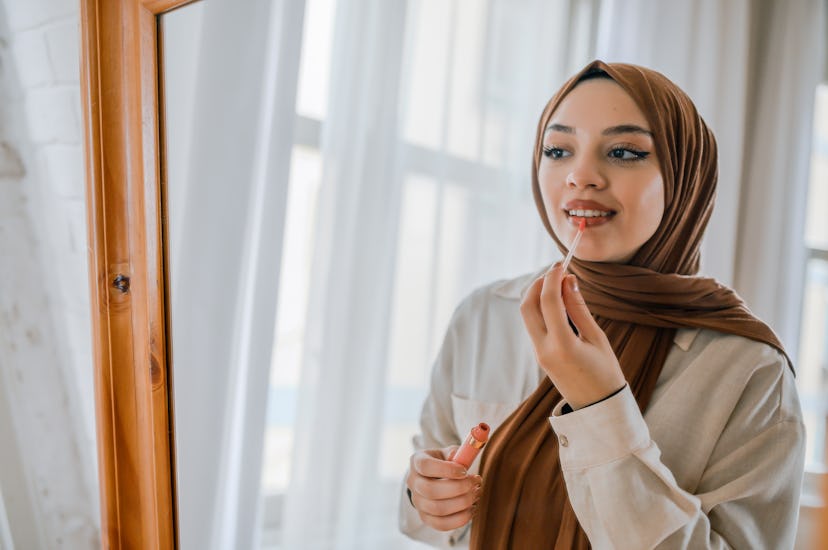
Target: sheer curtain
{"x": 424, "y": 195}
{"x": 230, "y": 84}
{"x": 792, "y": 43}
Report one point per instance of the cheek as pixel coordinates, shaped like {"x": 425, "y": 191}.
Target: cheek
{"x": 651, "y": 204}
{"x": 549, "y": 190}
{"x": 551, "y": 172}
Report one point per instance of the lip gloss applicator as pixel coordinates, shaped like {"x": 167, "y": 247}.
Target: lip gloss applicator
{"x": 467, "y": 452}
{"x": 575, "y": 241}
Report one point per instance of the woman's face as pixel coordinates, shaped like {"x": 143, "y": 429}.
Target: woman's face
{"x": 599, "y": 163}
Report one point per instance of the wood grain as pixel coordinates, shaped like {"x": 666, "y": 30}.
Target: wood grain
{"x": 123, "y": 133}
{"x": 162, "y": 6}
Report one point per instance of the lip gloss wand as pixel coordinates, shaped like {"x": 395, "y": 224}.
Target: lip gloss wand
{"x": 575, "y": 241}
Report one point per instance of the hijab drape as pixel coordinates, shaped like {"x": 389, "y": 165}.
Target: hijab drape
{"x": 639, "y": 305}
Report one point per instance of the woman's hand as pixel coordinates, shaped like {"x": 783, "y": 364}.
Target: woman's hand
{"x": 582, "y": 366}
{"x": 441, "y": 491}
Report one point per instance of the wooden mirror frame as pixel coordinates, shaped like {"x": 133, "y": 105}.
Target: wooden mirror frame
{"x": 122, "y": 101}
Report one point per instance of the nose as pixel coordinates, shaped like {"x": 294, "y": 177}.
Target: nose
{"x": 584, "y": 175}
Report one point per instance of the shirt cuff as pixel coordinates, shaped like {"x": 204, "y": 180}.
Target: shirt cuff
{"x": 598, "y": 434}
{"x": 567, "y": 408}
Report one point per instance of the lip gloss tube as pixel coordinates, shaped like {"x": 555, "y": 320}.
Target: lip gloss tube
{"x": 467, "y": 452}
{"x": 575, "y": 241}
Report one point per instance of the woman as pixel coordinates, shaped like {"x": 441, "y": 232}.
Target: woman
{"x": 674, "y": 416}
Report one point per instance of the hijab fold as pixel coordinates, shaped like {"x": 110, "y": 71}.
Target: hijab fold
{"x": 639, "y": 305}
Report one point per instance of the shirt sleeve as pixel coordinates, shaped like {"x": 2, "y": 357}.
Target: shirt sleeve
{"x": 625, "y": 497}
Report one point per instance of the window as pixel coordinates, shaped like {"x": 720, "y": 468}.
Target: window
{"x": 469, "y": 95}
{"x": 812, "y": 378}
{"x": 305, "y": 179}
{"x": 453, "y": 136}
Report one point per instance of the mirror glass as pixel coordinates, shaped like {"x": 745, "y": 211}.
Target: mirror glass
{"x": 340, "y": 174}
{"x": 218, "y": 74}
{"x": 335, "y": 186}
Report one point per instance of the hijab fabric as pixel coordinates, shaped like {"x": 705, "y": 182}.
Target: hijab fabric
{"x": 639, "y": 305}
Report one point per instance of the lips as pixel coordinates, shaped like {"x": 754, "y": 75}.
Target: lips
{"x": 594, "y": 213}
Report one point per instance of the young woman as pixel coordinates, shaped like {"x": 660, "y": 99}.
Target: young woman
{"x": 635, "y": 405}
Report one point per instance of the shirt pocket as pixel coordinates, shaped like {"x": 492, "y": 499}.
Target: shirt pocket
{"x": 471, "y": 412}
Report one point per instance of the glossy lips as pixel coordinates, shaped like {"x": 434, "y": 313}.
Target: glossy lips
{"x": 593, "y": 213}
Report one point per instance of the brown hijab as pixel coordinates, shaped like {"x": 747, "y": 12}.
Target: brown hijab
{"x": 639, "y": 305}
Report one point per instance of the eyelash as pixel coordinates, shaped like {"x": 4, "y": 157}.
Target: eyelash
{"x": 639, "y": 155}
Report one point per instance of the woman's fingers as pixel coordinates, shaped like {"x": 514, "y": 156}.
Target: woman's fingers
{"x": 443, "y": 489}
{"x": 531, "y": 312}
{"x": 552, "y": 305}
{"x": 431, "y": 463}
{"x": 578, "y": 311}
{"x": 444, "y": 507}
{"x": 451, "y": 451}
{"x": 448, "y": 523}
{"x": 443, "y": 502}
{"x": 576, "y": 356}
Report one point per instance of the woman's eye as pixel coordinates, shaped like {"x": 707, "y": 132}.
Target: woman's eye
{"x": 554, "y": 152}
{"x": 623, "y": 153}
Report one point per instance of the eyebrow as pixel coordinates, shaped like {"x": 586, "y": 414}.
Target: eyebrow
{"x": 611, "y": 131}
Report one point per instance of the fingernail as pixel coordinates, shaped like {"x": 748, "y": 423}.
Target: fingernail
{"x": 462, "y": 473}
{"x": 573, "y": 283}
{"x": 477, "y": 489}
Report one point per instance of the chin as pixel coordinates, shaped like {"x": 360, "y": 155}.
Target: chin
{"x": 604, "y": 257}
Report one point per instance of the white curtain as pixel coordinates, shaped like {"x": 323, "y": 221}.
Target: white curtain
{"x": 770, "y": 259}
{"x": 751, "y": 67}
{"x": 425, "y": 194}
{"x": 230, "y": 83}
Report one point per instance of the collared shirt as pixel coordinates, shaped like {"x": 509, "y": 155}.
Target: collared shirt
{"x": 716, "y": 461}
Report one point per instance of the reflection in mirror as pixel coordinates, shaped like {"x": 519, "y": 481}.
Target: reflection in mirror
{"x": 341, "y": 173}
{"x": 382, "y": 236}
{"x": 223, "y": 97}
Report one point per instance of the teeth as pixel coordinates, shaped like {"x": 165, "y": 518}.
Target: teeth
{"x": 589, "y": 213}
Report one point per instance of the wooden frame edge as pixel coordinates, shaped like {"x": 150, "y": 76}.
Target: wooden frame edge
{"x": 122, "y": 133}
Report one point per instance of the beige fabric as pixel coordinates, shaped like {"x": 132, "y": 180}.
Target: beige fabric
{"x": 715, "y": 462}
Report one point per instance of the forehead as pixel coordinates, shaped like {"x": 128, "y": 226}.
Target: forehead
{"x": 598, "y": 102}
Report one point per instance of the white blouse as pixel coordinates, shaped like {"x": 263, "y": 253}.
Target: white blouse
{"x": 716, "y": 461}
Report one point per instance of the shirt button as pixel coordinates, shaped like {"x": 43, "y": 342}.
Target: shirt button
{"x": 563, "y": 441}
{"x": 452, "y": 542}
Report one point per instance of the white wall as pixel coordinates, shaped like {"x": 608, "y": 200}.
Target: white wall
{"x": 48, "y": 478}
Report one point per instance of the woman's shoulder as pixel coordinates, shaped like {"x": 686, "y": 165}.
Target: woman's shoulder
{"x": 738, "y": 366}
{"x": 508, "y": 289}
{"x": 740, "y": 350}
{"x": 494, "y": 305}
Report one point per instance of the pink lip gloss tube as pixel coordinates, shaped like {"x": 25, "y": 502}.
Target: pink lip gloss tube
{"x": 467, "y": 452}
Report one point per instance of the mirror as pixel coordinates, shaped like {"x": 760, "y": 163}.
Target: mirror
{"x": 306, "y": 271}
{"x": 324, "y": 182}
{"x": 225, "y": 205}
